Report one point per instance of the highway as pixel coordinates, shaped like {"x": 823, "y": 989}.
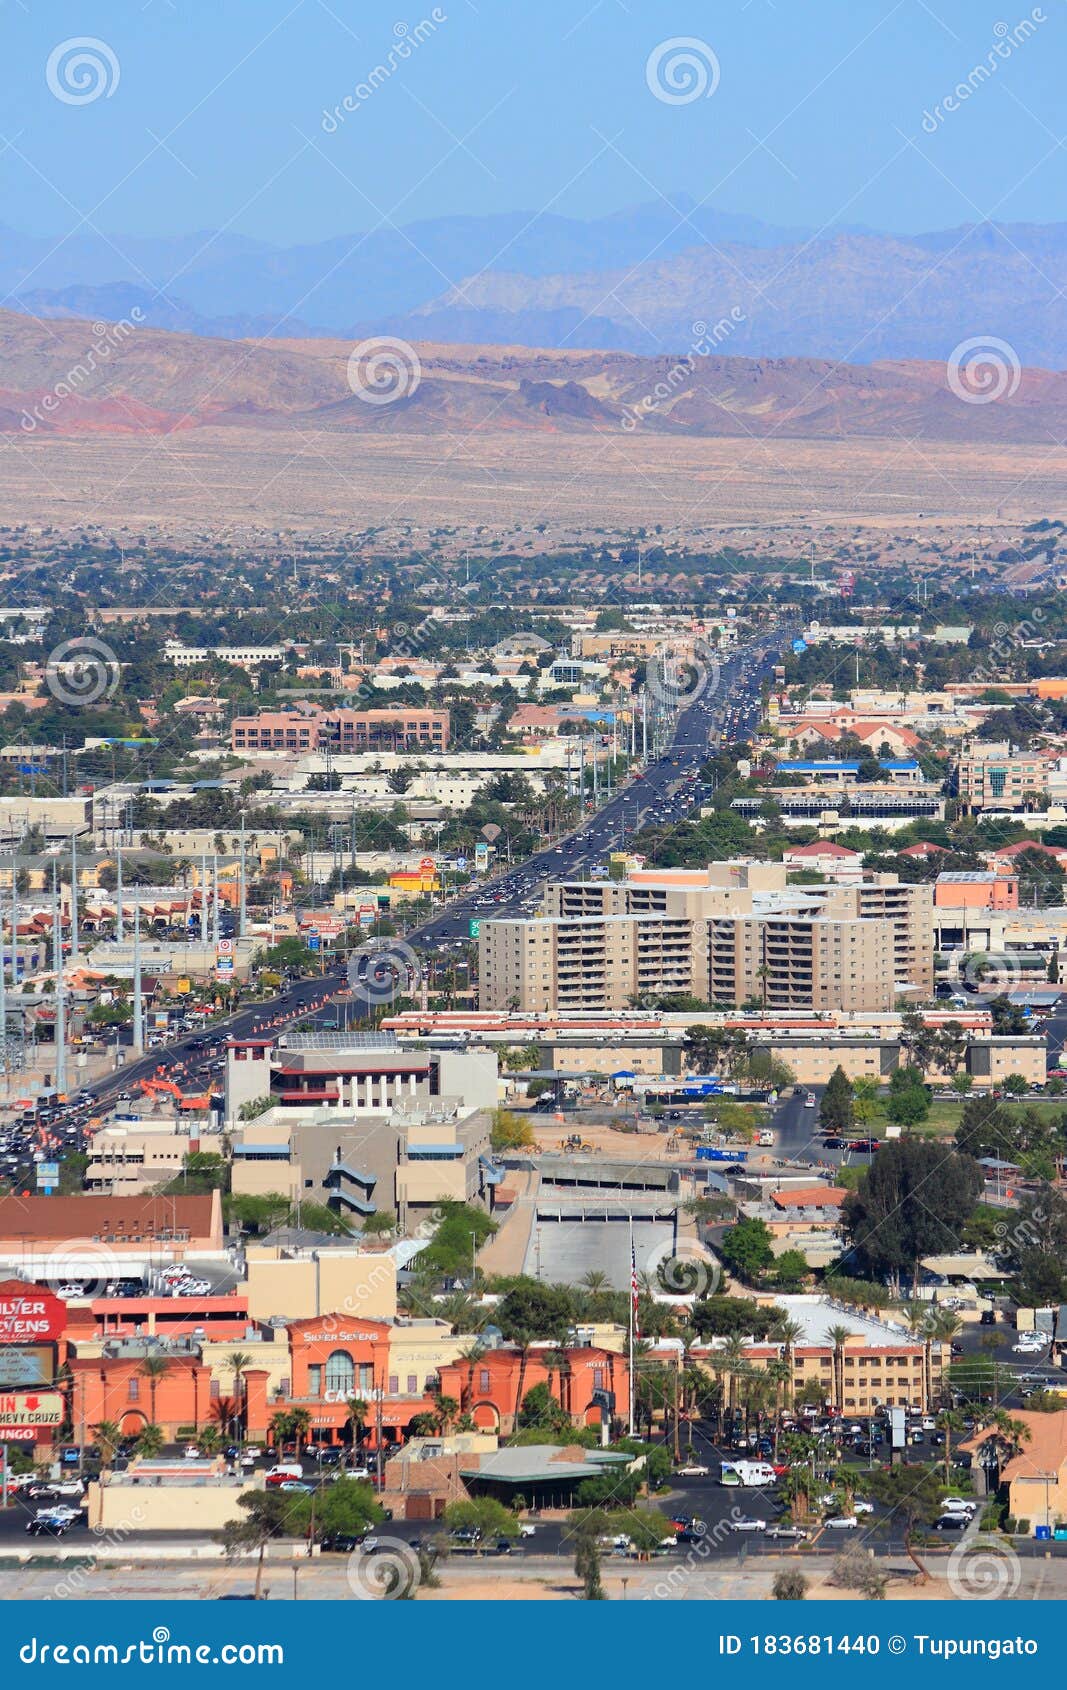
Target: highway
{"x": 726, "y": 710}
{"x": 722, "y": 707}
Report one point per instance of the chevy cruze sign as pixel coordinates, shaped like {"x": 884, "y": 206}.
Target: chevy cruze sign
{"x": 24, "y": 1413}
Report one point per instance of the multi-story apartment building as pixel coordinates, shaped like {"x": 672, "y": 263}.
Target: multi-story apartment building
{"x": 799, "y": 959}
{"x": 306, "y": 728}
{"x": 997, "y": 776}
{"x": 729, "y": 934}
{"x": 590, "y": 962}
{"x": 909, "y": 907}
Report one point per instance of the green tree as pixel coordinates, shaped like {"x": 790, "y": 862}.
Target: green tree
{"x": 913, "y": 1201}
{"x": 913, "y": 1497}
{"x": 746, "y": 1249}
{"x": 836, "y": 1108}
{"x": 510, "y": 1131}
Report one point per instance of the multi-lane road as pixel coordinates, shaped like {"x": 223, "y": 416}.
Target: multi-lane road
{"x": 721, "y": 706}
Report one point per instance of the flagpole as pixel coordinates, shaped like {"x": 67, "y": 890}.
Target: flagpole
{"x": 633, "y": 1299}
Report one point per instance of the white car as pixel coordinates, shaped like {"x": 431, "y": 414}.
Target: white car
{"x": 841, "y": 1522}
{"x": 747, "y": 1525}
{"x": 1022, "y": 1348}
{"x": 792, "y": 1534}
{"x": 695, "y": 1470}
{"x": 526, "y": 1530}
{"x": 809, "y": 1101}
{"x": 959, "y": 1505}
{"x": 862, "y": 1507}
{"x": 71, "y": 1289}
{"x": 190, "y": 1453}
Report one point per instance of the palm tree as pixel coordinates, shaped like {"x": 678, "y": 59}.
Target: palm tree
{"x": 446, "y": 1409}
{"x": 224, "y": 1414}
{"x": 595, "y": 1281}
{"x": 299, "y": 1427}
{"x": 209, "y": 1440}
{"x": 150, "y": 1441}
{"x": 154, "y": 1368}
{"x": 108, "y": 1435}
{"x": 472, "y": 1355}
{"x": 281, "y": 1427}
{"x": 356, "y": 1417}
{"x": 839, "y": 1336}
{"x": 734, "y": 1355}
{"x": 948, "y": 1421}
{"x": 788, "y": 1333}
{"x": 237, "y": 1361}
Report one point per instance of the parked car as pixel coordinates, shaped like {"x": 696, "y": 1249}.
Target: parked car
{"x": 952, "y": 1523}
{"x": 746, "y": 1524}
{"x": 841, "y": 1522}
{"x": 790, "y": 1534}
{"x": 340, "y": 1543}
{"x": 695, "y": 1470}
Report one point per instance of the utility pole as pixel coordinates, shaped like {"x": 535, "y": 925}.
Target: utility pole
{"x": 3, "y": 1019}
{"x": 203, "y": 898}
{"x": 215, "y": 900}
{"x": 61, "y": 1008}
{"x": 138, "y": 1001}
{"x": 244, "y": 903}
{"x": 118, "y": 895}
{"x": 74, "y": 898}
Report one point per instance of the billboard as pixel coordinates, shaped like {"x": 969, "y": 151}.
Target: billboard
{"x": 25, "y": 1414}
{"x": 30, "y": 1315}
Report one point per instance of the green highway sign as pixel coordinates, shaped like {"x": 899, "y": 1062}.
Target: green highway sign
{"x": 474, "y": 927}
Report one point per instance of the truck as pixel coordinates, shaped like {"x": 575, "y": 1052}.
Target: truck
{"x": 712, "y": 1153}
{"x": 747, "y": 1473}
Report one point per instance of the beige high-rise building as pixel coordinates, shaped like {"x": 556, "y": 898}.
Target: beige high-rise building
{"x": 727, "y": 935}
{"x": 910, "y": 907}
{"x": 589, "y": 962}
{"x": 798, "y": 960}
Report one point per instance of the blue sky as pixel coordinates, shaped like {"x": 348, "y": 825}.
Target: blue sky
{"x": 217, "y": 115}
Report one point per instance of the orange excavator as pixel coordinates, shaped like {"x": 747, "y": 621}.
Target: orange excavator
{"x": 152, "y": 1088}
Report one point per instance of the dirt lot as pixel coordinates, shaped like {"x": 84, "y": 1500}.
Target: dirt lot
{"x": 539, "y": 490}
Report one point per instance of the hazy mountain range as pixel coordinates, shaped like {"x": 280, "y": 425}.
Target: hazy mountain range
{"x": 640, "y": 281}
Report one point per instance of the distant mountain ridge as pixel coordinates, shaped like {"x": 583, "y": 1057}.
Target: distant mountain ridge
{"x": 65, "y": 377}
{"x": 635, "y": 281}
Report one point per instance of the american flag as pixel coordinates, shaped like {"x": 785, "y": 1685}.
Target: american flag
{"x": 633, "y": 1288}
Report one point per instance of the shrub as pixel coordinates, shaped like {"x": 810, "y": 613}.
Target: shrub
{"x": 790, "y": 1586}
